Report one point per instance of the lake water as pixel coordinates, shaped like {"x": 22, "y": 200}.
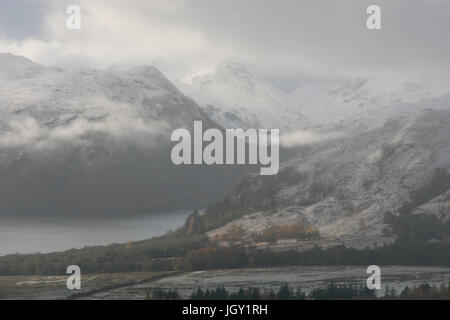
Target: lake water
{"x": 49, "y": 234}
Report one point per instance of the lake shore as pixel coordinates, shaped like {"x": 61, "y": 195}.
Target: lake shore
{"x": 52, "y": 234}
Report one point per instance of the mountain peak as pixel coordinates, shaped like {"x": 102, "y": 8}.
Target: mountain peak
{"x": 236, "y": 97}
{"x": 236, "y": 69}
{"x": 228, "y": 71}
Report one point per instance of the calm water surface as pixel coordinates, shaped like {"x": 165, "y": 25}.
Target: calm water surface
{"x": 49, "y": 234}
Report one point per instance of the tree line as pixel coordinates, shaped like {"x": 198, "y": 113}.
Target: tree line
{"x": 348, "y": 291}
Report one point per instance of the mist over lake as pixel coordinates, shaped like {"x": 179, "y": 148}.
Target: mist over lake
{"x": 50, "y": 234}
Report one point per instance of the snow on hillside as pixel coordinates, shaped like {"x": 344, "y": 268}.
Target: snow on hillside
{"x": 371, "y": 142}
{"x": 351, "y": 182}
{"x": 40, "y": 103}
{"x": 364, "y": 102}
{"x": 96, "y": 142}
{"x": 235, "y": 97}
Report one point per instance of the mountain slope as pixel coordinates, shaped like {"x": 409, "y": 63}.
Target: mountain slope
{"x": 344, "y": 187}
{"x": 365, "y": 102}
{"x": 236, "y": 97}
{"x": 91, "y": 142}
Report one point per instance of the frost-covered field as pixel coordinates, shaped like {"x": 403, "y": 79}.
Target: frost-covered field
{"x": 54, "y": 287}
{"x": 139, "y": 285}
{"x": 307, "y": 278}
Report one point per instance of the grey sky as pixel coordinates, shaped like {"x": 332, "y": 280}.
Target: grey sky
{"x": 288, "y": 41}
{"x": 22, "y": 19}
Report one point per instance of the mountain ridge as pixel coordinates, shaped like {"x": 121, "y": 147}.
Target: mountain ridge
{"x": 236, "y": 97}
{"x": 97, "y": 142}
{"x": 345, "y": 187}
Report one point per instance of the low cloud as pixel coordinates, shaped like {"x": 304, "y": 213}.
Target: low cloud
{"x": 323, "y": 38}
{"x": 119, "y": 122}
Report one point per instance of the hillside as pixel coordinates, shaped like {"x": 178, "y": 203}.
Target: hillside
{"x": 344, "y": 187}
{"x": 236, "y": 97}
{"x": 97, "y": 142}
{"x": 362, "y": 102}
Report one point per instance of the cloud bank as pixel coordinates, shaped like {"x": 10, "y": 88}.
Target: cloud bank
{"x": 323, "y": 38}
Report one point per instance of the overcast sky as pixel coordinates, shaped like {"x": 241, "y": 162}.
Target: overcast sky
{"x": 287, "y": 41}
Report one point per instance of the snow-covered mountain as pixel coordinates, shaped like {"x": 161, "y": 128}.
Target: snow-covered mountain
{"x": 365, "y": 102}
{"x": 344, "y": 187}
{"x": 96, "y": 142}
{"x": 371, "y": 144}
{"x": 235, "y": 97}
